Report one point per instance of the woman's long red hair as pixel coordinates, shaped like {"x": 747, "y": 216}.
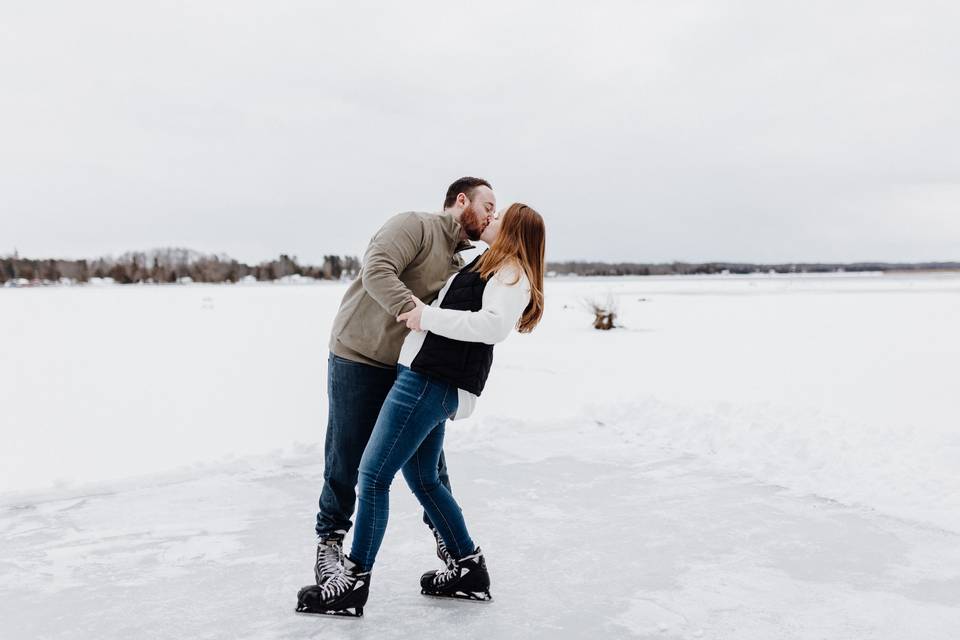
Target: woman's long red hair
{"x": 521, "y": 243}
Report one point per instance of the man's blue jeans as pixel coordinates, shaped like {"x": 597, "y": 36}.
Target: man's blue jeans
{"x": 409, "y": 436}
{"x": 356, "y": 392}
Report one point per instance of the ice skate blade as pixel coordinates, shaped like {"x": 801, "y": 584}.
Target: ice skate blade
{"x": 466, "y": 596}
{"x": 331, "y": 613}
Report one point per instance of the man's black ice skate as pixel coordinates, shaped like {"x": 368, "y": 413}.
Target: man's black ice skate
{"x": 442, "y": 552}
{"x": 342, "y": 595}
{"x": 467, "y": 579}
{"x": 329, "y": 558}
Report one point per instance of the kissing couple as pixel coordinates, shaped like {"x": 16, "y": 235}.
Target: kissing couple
{"x": 412, "y": 347}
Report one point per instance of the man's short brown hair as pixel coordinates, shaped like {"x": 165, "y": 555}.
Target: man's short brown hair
{"x": 466, "y": 186}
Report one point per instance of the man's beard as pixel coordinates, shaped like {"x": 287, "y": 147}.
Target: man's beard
{"x": 473, "y": 222}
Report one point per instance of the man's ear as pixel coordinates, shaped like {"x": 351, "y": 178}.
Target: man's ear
{"x": 462, "y": 200}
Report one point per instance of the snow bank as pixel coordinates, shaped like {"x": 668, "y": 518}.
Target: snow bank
{"x": 838, "y": 386}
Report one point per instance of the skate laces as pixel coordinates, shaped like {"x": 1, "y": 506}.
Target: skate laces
{"x": 452, "y": 572}
{"x": 338, "y": 584}
{"x": 329, "y": 557}
{"x": 454, "y": 569}
{"x": 442, "y": 550}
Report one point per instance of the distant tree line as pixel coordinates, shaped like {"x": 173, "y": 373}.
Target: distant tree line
{"x": 172, "y": 265}
{"x": 689, "y": 268}
{"x": 175, "y": 265}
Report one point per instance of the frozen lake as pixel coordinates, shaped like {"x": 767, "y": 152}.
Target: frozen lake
{"x": 751, "y": 457}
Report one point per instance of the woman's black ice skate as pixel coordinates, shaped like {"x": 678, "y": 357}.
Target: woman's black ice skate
{"x": 342, "y": 595}
{"x": 466, "y": 579}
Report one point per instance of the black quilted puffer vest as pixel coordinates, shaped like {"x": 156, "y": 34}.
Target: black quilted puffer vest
{"x": 462, "y": 364}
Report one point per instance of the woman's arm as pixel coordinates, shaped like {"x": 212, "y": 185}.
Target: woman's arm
{"x": 503, "y": 304}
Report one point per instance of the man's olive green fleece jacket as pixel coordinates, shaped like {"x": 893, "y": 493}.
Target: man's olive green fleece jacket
{"x": 412, "y": 253}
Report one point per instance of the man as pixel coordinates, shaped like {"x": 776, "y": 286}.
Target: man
{"x": 413, "y": 253}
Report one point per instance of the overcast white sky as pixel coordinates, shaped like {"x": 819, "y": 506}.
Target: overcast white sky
{"x": 643, "y": 131}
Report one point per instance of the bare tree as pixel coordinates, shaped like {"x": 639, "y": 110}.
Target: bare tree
{"x": 604, "y": 312}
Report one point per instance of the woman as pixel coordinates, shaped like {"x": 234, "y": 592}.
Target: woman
{"x": 442, "y": 369}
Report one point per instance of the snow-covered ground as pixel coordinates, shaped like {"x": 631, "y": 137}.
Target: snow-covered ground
{"x": 750, "y": 457}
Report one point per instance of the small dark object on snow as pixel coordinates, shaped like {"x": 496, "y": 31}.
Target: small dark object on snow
{"x": 604, "y": 313}
{"x": 604, "y": 321}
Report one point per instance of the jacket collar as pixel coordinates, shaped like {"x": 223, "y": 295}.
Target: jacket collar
{"x": 452, "y": 230}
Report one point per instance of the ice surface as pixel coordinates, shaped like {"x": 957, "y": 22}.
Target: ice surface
{"x": 763, "y": 457}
